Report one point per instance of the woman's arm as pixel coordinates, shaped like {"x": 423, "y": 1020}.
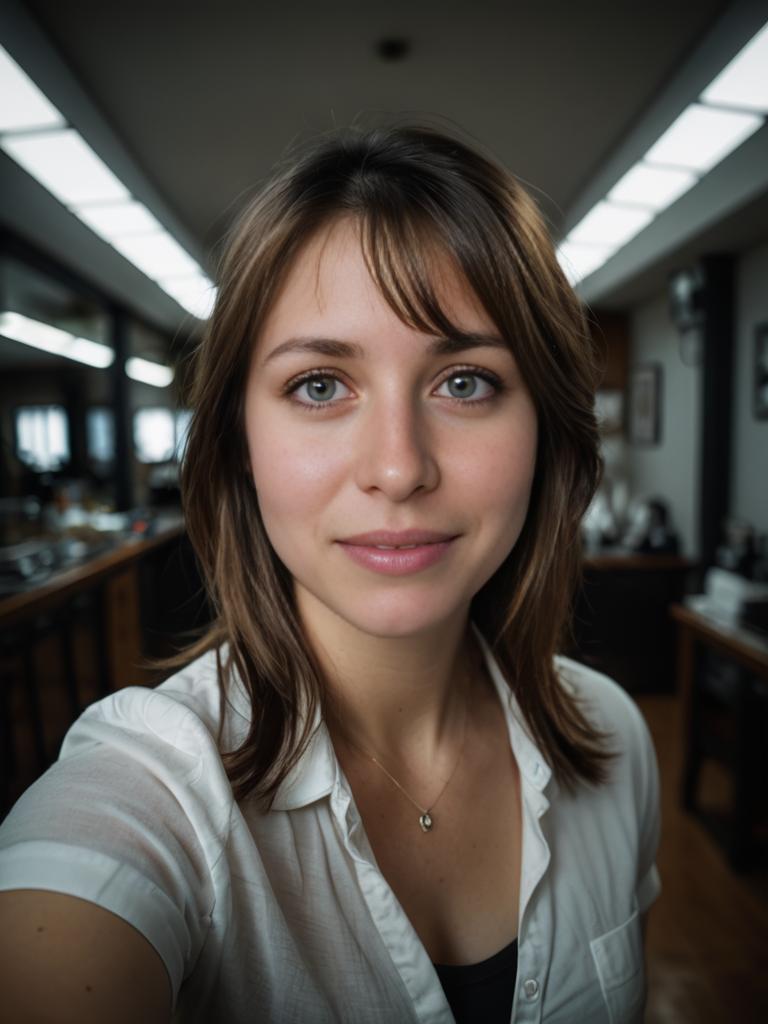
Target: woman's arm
{"x": 64, "y": 960}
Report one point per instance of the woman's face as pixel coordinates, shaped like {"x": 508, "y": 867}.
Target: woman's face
{"x": 388, "y": 433}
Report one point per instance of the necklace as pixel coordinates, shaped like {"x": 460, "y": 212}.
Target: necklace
{"x": 426, "y": 820}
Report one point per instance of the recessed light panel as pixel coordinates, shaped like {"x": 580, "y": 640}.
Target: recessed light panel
{"x": 66, "y": 165}
{"x": 195, "y": 293}
{"x": 744, "y": 82}
{"x": 157, "y": 255}
{"x": 52, "y": 339}
{"x": 652, "y": 187}
{"x": 701, "y": 137}
{"x": 113, "y": 220}
{"x": 578, "y": 261}
{"x": 610, "y": 225}
{"x": 144, "y": 370}
{"x": 23, "y": 106}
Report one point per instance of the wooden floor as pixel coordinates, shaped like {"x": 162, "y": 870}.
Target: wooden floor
{"x": 708, "y": 930}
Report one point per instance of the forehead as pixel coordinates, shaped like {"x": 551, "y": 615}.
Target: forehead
{"x": 331, "y": 279}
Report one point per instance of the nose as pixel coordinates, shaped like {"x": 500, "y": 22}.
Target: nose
{"x": 396, "y": 450}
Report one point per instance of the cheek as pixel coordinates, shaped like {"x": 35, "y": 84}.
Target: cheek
{"x": 499, "y": 473}
{"x": 289, "y": 474}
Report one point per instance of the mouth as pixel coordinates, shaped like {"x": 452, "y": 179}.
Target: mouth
{"x": 379, "y": 554}
{"x": 404, "y": 540}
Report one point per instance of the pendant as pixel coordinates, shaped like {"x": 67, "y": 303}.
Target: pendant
{"x": 426, "y": 822}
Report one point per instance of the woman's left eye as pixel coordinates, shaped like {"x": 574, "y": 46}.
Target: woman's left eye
{"x": 464, "y": 384}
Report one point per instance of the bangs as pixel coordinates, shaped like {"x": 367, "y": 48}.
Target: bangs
{"x": 407, "y": 256}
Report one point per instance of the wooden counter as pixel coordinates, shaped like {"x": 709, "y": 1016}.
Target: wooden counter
{"x": 744, "y": 646}
{"x": 79, "y": 635}
{"x": 64, "y": 584}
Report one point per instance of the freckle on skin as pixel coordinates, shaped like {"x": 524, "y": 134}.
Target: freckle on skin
{"x": 88, "y": 988}
{"x": 40, "y": 928}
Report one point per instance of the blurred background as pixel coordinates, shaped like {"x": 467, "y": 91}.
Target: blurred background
{"x": 131, "y": 135}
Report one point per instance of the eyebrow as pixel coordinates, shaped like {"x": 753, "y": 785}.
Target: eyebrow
{"x": 351, "y": 349}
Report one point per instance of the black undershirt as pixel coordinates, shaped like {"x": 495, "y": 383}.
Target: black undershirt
{"x": 483, "y": 991}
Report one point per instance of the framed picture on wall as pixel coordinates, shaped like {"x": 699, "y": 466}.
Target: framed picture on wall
{"x": 645, "y": 404}
{"x": 761, "y": 372}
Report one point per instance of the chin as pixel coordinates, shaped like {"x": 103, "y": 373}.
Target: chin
{"x": 387, "y": 616}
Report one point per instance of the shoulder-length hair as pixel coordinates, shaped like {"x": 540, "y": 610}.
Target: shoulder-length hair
{"x": 409, "y": 188}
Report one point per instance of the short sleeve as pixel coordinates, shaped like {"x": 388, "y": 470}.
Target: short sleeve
{"x": 129, "y": 818}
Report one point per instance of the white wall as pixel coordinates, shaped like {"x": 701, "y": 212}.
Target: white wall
{"x": 672, "y": 468}
{"x": 669, "y": 470}
{"x": 749, "y": 469}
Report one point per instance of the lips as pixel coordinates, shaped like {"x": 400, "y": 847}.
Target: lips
{"x": 423, "y": 550}
{"x": 397, "y": 539}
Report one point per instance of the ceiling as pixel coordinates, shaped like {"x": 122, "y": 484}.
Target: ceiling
{"x": 206, "y": 97}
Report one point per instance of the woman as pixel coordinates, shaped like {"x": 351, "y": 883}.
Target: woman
{"x": 376, "y": 794}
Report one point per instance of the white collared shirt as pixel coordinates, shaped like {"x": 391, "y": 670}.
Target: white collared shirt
{"x": 285, "y": 917}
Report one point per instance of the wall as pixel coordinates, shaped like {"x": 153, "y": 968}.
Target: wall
{"x": 670, "y": 469}
{"x": 749, "y": 469}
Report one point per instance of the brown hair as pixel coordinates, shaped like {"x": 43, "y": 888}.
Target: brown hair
{"x": 410, "y": 188}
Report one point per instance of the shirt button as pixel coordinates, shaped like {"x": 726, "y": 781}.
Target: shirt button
{"x": 531, "y": 988}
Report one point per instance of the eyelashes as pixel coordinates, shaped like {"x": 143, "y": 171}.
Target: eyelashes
{"x": 291, "y": 388}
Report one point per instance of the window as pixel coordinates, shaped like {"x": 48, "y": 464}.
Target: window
{"x": 42, "y": 436}
{"x": 154, "y": 434}
{"x": 100, "y": 430}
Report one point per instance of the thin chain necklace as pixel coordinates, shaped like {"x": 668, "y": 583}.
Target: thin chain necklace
{"x": 426, "y": 819}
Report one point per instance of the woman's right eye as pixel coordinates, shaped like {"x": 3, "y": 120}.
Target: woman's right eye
{"x": 319, "y": 389}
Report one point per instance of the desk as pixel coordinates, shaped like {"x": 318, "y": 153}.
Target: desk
{"x": 743, "y": 700}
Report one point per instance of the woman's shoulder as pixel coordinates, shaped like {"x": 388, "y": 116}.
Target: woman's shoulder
{"x": 608, "y": 705}
{"x": 183, "y": 712}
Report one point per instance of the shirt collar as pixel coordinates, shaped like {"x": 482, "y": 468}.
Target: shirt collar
{"x": 317, "y": 772}
{"x": 528, "y": 756}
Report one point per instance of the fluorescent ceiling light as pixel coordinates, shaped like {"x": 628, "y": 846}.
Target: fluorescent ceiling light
{"x": 113, "y": 220}
{"x": 148, "y": 372}
{"x": 195, "y": 293}
{"x": 652, "y": 187}
{"x": 701, "y": 137}
{"x": 578, "y": 261}
{"x": 52, "y": 339}
{"x": 62, "y": 162}
{"x": 157, "y": 255}
{"x": 22, "y": 105}
{"x": 610, "y": 225}
{"x": 66, "y": 165}
{"x": 744, "y": 82}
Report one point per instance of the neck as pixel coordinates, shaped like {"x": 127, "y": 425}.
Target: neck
{"x": 402, "y": 700}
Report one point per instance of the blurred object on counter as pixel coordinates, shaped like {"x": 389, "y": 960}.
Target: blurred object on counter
{"x": 20, "y": 518}
{"x": 600, "y": 526}
{"x": 732, "y": 600}
{"x": 739, "y": 552}
{"x": 650, "y": 530}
